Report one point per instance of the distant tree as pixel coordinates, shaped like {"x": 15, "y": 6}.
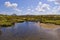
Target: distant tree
{"x": 14, "y": 14}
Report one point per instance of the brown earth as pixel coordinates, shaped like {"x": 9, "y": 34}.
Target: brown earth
{"x": 49, "y": 26}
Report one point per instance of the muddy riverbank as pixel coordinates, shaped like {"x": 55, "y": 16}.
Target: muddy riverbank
{"x": 49, "y": 26}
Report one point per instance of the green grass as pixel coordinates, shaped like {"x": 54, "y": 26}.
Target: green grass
{"x": 8, "y": 20}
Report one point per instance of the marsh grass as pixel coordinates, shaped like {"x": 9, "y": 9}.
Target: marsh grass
{"x": 8, "y": 20}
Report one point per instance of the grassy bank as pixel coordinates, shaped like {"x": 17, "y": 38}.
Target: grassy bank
{"x": 8, "y": 20}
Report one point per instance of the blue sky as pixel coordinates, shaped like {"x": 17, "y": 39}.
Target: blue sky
{"x": 30, "y": 7}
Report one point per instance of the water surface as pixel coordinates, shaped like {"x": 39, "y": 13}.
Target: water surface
{"x": 28, "y": 31}
{"x": 20, "y": 31}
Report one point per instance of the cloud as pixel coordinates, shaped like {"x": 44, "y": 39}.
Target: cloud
{"x": 28, "y": 9}
{"x": 51, "y": 0}
{"x": 56, "y": 9}
{"x": 42, "y": 7}
{"x": 8, "y": 4}
{"x": 18, "y": 10}
{"x": 55, "y": 1}
{"x": 12, "y": 5}
{"x": 58, "y": 1}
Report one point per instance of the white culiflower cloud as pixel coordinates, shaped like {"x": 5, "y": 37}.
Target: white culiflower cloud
{"x": 42, "y": 7}
{"x": 8, "y": 4}
{"x": 12, "y": 5}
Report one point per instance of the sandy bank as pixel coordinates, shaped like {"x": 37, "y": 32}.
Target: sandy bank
{"x": 49, "y": 26}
